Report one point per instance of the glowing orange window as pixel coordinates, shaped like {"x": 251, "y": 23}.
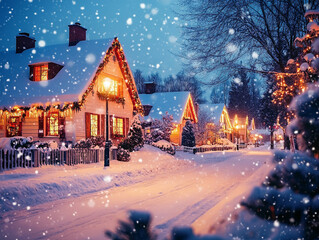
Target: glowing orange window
{"x": 41, "y": 72}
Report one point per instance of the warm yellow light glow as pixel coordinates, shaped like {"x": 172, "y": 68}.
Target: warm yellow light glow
{"x": 107, "y": 83}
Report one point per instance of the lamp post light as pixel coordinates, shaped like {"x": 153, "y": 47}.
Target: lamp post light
{"x": 107, "y": 83}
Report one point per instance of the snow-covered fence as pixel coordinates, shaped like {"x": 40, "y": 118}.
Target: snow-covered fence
{"x": 206, "y": 148}
{"x": 35, "y": 158}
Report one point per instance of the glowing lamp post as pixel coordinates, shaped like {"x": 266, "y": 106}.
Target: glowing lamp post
{"x": 107, "y": 83}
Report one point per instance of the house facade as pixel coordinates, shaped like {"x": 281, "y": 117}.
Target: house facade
{"x": 59, "y": 92}
{"x": 218, "y": 121}
{"x": 179, "y": 105}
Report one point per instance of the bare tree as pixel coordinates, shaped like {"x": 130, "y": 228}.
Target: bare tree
{"x": 220, "y": 34}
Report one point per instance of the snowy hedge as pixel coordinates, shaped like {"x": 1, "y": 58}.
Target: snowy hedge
{"x": 165, "y": 146}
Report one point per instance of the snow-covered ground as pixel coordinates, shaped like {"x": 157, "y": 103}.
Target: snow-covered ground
{"x": 81, "y": 202}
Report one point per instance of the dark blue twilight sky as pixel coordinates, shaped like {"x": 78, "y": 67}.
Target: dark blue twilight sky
{"x": 148, "y": 30}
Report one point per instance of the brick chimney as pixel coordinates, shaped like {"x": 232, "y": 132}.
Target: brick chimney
{"x": 77, "y": 33}
{"x": 150, "y": 87}
{"x": 24, "y": 41}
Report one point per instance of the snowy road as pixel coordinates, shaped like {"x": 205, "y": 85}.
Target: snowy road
{"x": 199, "y": 193}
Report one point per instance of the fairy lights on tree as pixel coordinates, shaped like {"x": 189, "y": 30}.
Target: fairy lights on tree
{"x": 302, "y": 70}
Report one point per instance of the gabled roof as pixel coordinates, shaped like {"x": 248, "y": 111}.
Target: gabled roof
{"x": 174, "y": 103}
{"x": 79, "y": 65}
{"x": 214, "y": 111}
{"x": 71, "y": 84}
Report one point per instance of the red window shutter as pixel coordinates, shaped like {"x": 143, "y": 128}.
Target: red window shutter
{"x": 98, "y": 125}
{"x": 20, "y": 127}
{"x": 127, "y": 126}
{"x": 41, "y": 126}
{"x": 87, "y": 125}
{"x": 47, "y": 124}
{"x": 103, "y": 125}
{"x": 62, "y": 127}
{"x": 111, "y": 126}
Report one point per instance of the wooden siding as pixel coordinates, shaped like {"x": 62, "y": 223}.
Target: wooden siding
{"x": 30, "y": 127}
{"x": 97, "y": 106}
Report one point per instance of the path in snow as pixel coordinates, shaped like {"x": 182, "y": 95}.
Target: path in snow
{"x": 200, "y": 194}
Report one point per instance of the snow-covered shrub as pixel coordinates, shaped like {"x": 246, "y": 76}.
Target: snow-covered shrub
{"x": 160, "y": 129}
{"x": 98, "y": 141}
{"x": 123, "y": 155}
{"x": 137, "y": 228}
{"x": 155, "y": 136}
{"x": 165, "y": 146}
{"x": 306, "y": 124}
{"x": 91, "y": 142}
{"x": 20, "y": 142}
{"x": 134, "y": 140}
{"x": 188, "y": 135}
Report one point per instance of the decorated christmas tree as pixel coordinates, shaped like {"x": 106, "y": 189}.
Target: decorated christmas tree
{"x": 290, "y": 194}
{"x": 188, "y": 135}
{"x": 302, "y": 70}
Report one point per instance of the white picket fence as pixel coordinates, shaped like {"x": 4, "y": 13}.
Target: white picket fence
{"x": 10, "y": 159}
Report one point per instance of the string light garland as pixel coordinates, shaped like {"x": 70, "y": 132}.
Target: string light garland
{"x": 301, "y": 71}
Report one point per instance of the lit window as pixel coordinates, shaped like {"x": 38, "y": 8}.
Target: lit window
{"x": 53, "y": 124}
{"x": 94, "y": 125}
{"x": 118, "y": 126}
{"x": 114, "y": 89}
{"x": 40, "y": 72}
{"x": 14, "y": 127}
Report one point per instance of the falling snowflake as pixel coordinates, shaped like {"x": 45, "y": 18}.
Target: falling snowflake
{"x": 129, "y": 21}
{"x": 90, "y": 58}
{"x": 142, "y": 5}
{"x": 255, "y": 55}
{"x": 41, "y": 43}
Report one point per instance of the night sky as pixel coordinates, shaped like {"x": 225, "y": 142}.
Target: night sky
{"x": 148, "y": 30}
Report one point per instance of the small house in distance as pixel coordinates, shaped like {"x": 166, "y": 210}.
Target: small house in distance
{"x": 216, "y": 116}
{"x": 178, "y": 104}
{"x": 58, "y": 92}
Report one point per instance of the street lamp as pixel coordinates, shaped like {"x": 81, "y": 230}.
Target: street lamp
{"x": 107, "y": 83}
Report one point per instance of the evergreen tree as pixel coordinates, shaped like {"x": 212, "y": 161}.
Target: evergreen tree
{"x": 239, "y": 95}
{"x": 290, "y": 194}
{"x": 167, "y": 126}
{"x": 217, "y": 95}
{"x": 254, "y": 101}
{"x": 134, "y": 140}
{"x": 269, "y": 111}
{"x": 139, "y": 81}
{"x": 188, "y": 135}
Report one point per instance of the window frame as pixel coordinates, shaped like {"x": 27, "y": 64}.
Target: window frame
{"x": 48, "y": 124}
{"x": 97, "y": 125}
{"x": 41, "y": 72}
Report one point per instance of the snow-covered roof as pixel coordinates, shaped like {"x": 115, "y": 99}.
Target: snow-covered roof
{"x": 312, "y": 12}
{"x": 173, "y": 103}
{"x": 79, "y": 63}
{"x": 214, "y": 111}
{"x": 262, "y": 131}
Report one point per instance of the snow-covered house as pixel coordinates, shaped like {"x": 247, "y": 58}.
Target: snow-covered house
{"x": 58, "y": 92}
{"x": 217, "y": 116}
{"x": 177, "y": 104}
{"x": 241, "y": 128}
